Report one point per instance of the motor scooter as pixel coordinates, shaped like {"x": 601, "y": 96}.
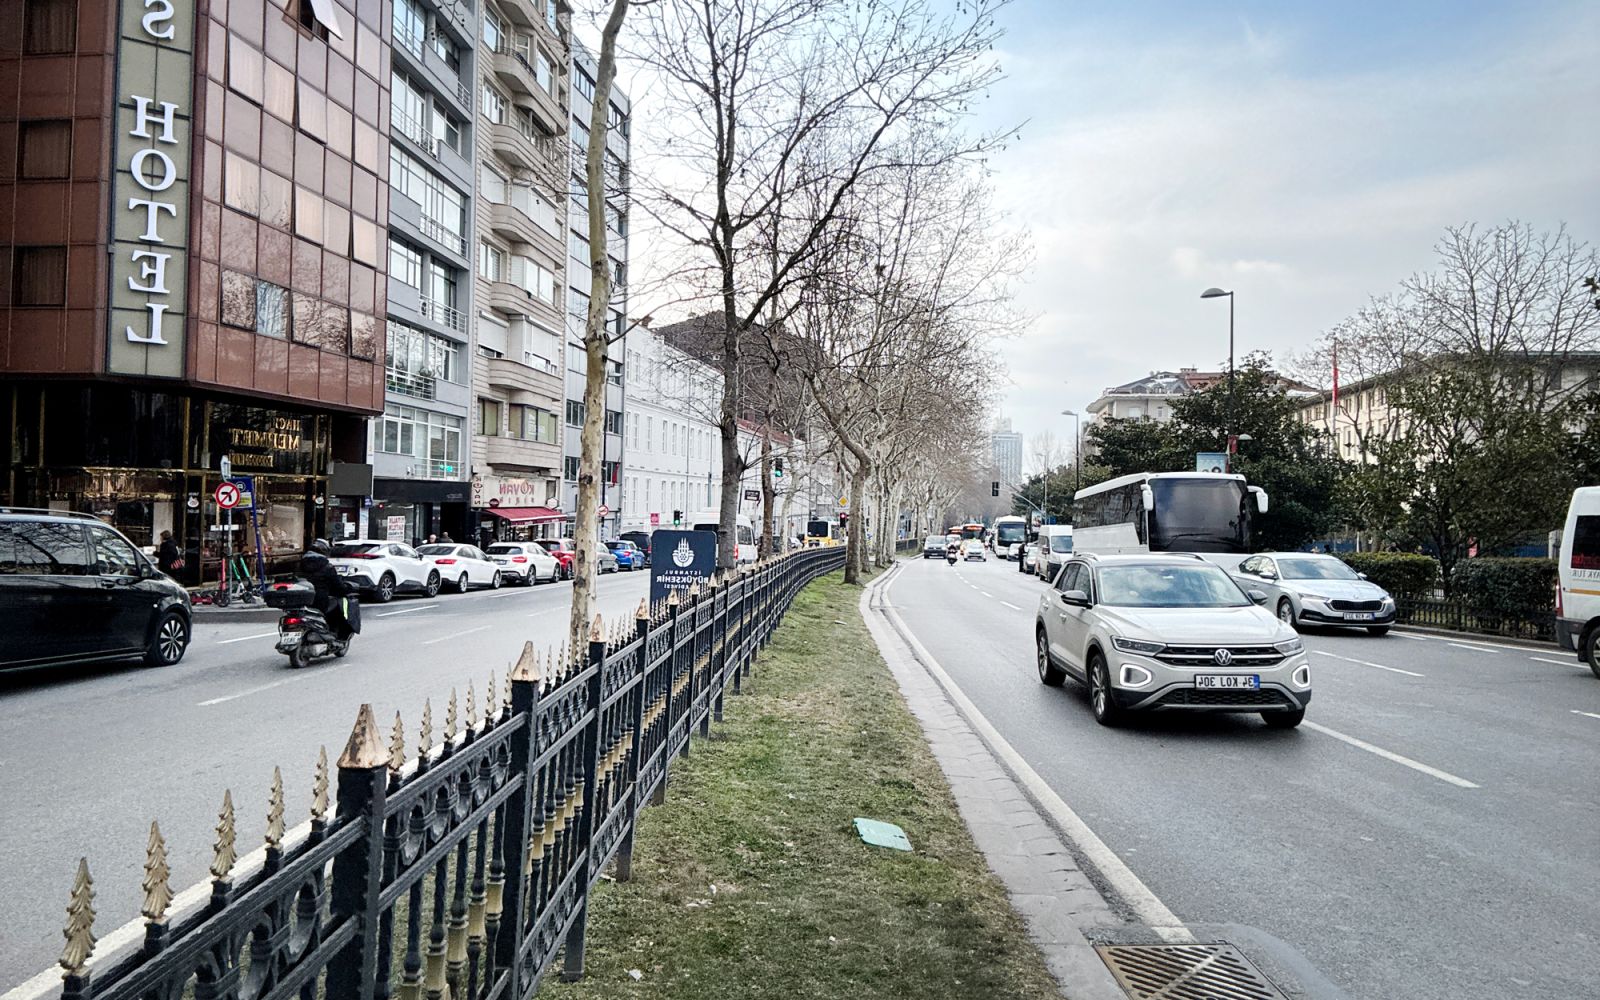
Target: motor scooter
{"x": 304, "y": 633}
{"x": 951, "y": 555}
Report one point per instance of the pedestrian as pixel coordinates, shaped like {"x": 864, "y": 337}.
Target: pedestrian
{"x": 168, "y": 559}
{"x": 445, "y": 538}
{"x": 432, "y": 539}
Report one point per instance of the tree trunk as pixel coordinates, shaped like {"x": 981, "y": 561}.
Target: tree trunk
{"x": 591, "y": 461}
{"x": 764, "y": 541}
{"x": 856, "y": 547}
{"x": 788, "y": 504}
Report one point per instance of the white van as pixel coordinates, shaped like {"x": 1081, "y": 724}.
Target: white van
{"x": 1578, "y": 569}
{"x": 1055, "y": 548}
{"x": 744, "y": 528}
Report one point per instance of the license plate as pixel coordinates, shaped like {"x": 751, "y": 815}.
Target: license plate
{"x": 501, "y": 562}
{"x": 345, "y": 570}
{"x": 289, "y": 639}
{"x": 1358, "y": 616}
{"x": 1227, "y": 682}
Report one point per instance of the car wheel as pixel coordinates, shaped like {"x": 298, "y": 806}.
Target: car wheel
{"x": 431, "y": 588}
{"x": 1591, "y": 651}
{"x": 170, "y": 641}
{"x": 495, "y": 581}
{"x": 461, "y": 584}
{"x": 1049, "y": 674}
{"x": 1378, "y": 629}
{"x": 385, "y": 591}
{"x": 1106, "y": 711}
{"x": 1286, "y": 614}
{"x": 1283, "y": 720}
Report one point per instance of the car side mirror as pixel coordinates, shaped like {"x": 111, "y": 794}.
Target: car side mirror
{"x": 1077, "y": 598}
{"x": 1259, "y": 597}
{"x": 1363, "y": 576}
{"x": 1268, "y": 574}
{"x": 1261, "y": 498}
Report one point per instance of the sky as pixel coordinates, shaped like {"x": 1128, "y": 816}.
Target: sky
{"x": 1304, "y": 155}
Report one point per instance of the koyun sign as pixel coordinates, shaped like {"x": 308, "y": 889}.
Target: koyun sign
{"x": 150, "y": 200}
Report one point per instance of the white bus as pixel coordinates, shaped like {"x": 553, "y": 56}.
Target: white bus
{"x": 1010, "y": 534}
{"x": 744, "y": 543}
{"x": 1204, "y": 512}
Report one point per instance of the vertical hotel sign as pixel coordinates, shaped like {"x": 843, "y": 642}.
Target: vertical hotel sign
{"x": 150, "y": 187}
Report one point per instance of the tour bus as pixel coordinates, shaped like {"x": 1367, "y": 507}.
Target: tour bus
{"x": 972, "y": 529}
{"x": 1010, "y": 534}
{"x": 1204, "y": 512}
{"x": 745, "y": 533}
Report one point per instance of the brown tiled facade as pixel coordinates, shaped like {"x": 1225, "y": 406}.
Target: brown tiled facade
{"x": 280, "y": 299}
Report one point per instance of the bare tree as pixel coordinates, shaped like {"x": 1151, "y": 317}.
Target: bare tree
{"x": 596, "y": 338}
{"x": 753, "y": 88}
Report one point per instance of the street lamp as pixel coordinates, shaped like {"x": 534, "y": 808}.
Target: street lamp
{"x": 1077, "y": 450}
{"x": 1217, "y": 293}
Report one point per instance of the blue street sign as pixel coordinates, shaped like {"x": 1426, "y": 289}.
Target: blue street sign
{"x": 680, "y": 558}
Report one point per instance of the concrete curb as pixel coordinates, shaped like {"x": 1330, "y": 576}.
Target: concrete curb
{"x": 211, "y": 615}
{"x": 1500, "y": 640}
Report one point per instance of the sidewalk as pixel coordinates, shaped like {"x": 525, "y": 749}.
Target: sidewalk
{"x": 750, "y": 882}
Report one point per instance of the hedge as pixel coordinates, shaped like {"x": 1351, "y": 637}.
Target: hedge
{"x": 1402, "y": 574}
{"x": 1505, "y": 586}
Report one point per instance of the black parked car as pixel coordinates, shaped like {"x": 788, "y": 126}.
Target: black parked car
{"x": 640, "y": 540}
{"x": 73, "y": 589}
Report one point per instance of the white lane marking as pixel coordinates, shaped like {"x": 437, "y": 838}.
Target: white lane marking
{"x": 1415, "y": 765}
{"x": 985, "y": 593}
{"x": 1559, "y": 663}
{"x": 406, "y": 611}
{"x": 242, "y": 638}
{"x": 1470, "y": 649}
{"x": 455, "y": 635}
{"x": 1464, "y": 642}
{"x": 1592, "y": 715}
{"x": 1419, "y": 638}
{"x": 534, "y": 614}
{"x": 1364, "y": 663}
{"x": 254, "y": 690}
{"x": 1013, "y": 607}
{"x": 1145, "y": 904}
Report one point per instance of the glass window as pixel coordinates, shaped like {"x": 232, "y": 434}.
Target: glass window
{"x": 1163, "y": 586}
{"x": 489, "y": 417}
{"x": 241, "y": 184}
{"x": 49, "y": 26}
{"x": 113, "y": 555}
{"x": 1195, "y": 515}
{"x": 570, "y": 468}
{"x": 491, "y": 262}
{"x": 239, "y": 300}
{"x": 1586, "y": 542}
{"x": 39, "y": 276}
{"x": 442, "y": 205}
{"x": 541, "y": 72}
{"x": 44, "y": 149}
{"x": 1314, "y": 568}
{"x": 494, "y": 30}
{"x": 272, "y": 310}
{"x": 550, "y": 15}
{"x": 494, "y": 105}
{"x": 575, "y": 413}
{"x": 446, "y": 49}
{"x": 43, "y": 547}
{"x": 405, "y": 264}
{"x": 583, "y": 84}
{"x": 410, "y": 25}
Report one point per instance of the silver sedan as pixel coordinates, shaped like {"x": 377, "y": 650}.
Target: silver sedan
{"x": 1307, "y": 589}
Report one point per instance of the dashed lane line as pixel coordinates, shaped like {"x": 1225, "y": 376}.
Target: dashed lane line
{"x": 1559, "y": 663}
{"x": 1390, "y": 755}
{"x": 1470, "y": 649}
{"x": 1013, "y": 607}
{"x": 250, "y": 691}
{"x": 1366, "y": 663}
{"x": 406, "y": 611}
{"x": 242, "y": 638}
{"x": 1592, "y": 715}
{"x": 455, "y": 635}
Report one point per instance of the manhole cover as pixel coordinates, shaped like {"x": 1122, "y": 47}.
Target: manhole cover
{"x": 1186, "y": 972}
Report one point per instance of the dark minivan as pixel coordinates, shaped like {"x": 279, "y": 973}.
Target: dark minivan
{"x": 73, "y": 589}
{"x": 640, "y": 540}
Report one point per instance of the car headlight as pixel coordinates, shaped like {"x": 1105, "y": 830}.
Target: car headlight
{"x": 1313, "y": 597}
{"x": 1137, "y": 645}
{"x": 1290, "y": 646}
{"x": 1388, "y": 601}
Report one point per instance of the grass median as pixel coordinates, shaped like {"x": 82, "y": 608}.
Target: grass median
{"x": 750, "y": 881}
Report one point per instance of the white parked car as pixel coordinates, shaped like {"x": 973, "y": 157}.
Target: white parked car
{"x": 1303, "y": 588}
{"x": 462, "y": 566}
{"x": 384, "y": 569}
{"x": 524, "y": 562}
{"x": 1028, "y": 558}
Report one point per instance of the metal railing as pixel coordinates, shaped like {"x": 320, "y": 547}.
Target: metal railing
{"x": 436, "y": 231}
{"x": 410, "y": 383}
{"x": 413, "y": 130}
{"x": 442, "y": 314}
{"x": 1459, "y": 617}
{"x": 463, "y": 868}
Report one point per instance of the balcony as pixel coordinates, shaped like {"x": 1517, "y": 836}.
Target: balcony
{"x": 411, "y": 384}
{"x": 540, "y": 380}
{"x": 536, "y": 456}
{"x": 436, "y": 231}
{"x": 511, "y": 223}
{"x": 447, "y": 316}
{"x": 515, "y": 71}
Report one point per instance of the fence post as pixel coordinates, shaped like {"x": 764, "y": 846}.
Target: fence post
{"x": 572, "y": 948}
{"x": 641, "y": 628}
{"x": 357, "y": 870}
{"x": 719, "y": 643}
{"x": 515, "y": 815}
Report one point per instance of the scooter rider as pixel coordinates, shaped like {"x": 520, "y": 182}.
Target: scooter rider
{"x": 316, "y": 570}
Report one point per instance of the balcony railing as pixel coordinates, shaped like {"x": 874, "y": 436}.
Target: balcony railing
{"x": 437, "y": 468}
{"x": 413, "y": 130}
{"x": 440, "y": 313}
{"x": 436, "y": 231}
{"x": 408, "y": 39}
{"x": 411, "y": 384}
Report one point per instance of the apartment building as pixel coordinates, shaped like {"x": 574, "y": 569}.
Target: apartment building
{"x": 519, "y": 319}
{"x": 612, "y": 484}
{"x": 673, "y": 446}
{"x": 419, "y": 445}
{"x": 192, "y": 269}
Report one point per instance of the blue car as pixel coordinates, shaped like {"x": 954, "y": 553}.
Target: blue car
{"x": 629, "y": 556}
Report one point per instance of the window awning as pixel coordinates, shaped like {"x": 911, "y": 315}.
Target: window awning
{"x": 525, "y": 515}
{"x": 323, "y": 11}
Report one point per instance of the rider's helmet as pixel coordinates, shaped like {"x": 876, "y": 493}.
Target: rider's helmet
{"x": 321, "y": 547}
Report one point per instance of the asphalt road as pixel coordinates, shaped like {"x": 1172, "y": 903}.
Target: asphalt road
{"x": 1452, "y": 851}
{"x": 90, "y": 755}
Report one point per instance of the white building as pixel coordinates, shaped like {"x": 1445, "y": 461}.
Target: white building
{"x": 674, "y": 458}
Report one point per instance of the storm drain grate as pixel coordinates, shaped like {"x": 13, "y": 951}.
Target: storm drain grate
{"x": 1186, "y": 972}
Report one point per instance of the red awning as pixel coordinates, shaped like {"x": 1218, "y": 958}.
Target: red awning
{"x": 525, "y": 515}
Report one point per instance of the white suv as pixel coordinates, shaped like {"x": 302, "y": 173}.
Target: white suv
{"x": 383, "y": 569}
{"x": 1168, "y": 633}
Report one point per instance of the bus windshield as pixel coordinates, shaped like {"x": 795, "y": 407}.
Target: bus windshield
{"x": 1199, "y": 515}
{"x": 1010, "y": 533}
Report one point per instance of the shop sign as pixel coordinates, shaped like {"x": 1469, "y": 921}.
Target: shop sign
{"x": 395, "y": 525}
{"x": 655, "y": 519}
{"x": 150, "y": 203}
{"x": 257, "y": 440}
{"x": 752, "y": 495}
{"x": 503, "y": 491}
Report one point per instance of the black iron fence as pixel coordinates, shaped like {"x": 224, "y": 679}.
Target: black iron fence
{"x": 461, "y": 870}
{"x": 1459, "y": 617}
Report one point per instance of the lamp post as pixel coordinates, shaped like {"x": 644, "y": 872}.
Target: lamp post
{"x": 1217, "y": 293}
{"x": 1077, "y": 450}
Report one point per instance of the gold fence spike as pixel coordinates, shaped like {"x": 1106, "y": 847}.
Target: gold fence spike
{"x": 491, "y": 700}
{"x": 644, "y": 609}
{"x": 79, "y": 931}
{"x": 275, "y": 811}
{"x": 597, "y": 631}
{"x": 673, "y": 600}
{"x": 472, "y": 709}
{"x": 397, "y": 745}
{"x": 225, "y": 855}
{"x": 157, "y": 890}
{"x": 425, "y": 741}
{"x": 506, "y": 702}
{"x": 450, "y": 718}
{"x": 527, "y": 667}
{"x": 319, "y": 786}
{"x": 364, "y": 750}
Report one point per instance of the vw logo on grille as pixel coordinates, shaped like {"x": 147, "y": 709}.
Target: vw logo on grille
{"x": 1223, "y": 657}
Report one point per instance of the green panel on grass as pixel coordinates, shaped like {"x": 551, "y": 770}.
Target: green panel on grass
{"x": 881, "y": 834}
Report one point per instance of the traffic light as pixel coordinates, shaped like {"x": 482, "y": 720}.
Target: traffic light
{"x": 777, "y": 468}
{"x": 677, "y": 517}
{"x": 844, "y": 519}
{"x": 994, "y": 488}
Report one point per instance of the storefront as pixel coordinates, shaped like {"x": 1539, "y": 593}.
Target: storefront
{"x": 148, "y": 462}
{"x": 514, "y": 510}
{"x": 423, "y": 508}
